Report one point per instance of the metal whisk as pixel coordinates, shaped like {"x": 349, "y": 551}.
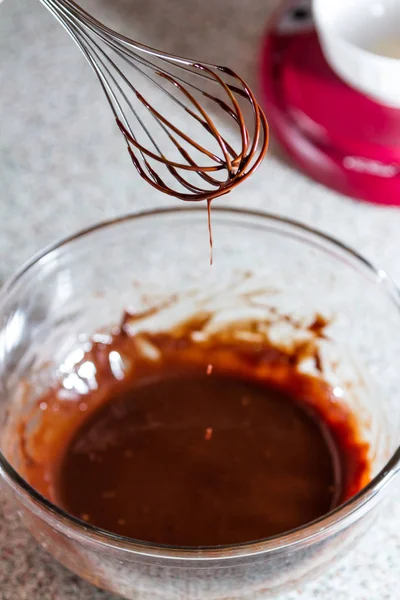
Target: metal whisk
{"x": 176, "y": 146}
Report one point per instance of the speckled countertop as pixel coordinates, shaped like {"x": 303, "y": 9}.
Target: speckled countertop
{"x": 63, "y": 167}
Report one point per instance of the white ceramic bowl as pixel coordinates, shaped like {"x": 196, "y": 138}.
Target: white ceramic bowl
{"x": 361, "y": 42}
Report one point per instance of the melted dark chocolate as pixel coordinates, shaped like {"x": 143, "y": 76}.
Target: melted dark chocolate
{"x": 200, "y": 460}
{"x": 195, "y": 443}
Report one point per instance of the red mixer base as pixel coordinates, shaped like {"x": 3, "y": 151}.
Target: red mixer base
{"x": 332, "y": 132}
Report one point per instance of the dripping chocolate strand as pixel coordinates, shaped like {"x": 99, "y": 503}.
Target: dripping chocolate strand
{"x": 210, "y": 229}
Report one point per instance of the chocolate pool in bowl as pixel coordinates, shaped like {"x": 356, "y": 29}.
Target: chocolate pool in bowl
{"x": 230, "y": 435}
{"x": 181, "y": 424}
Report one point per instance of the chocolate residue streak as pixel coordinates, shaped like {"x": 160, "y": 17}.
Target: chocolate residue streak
{"x": 176, "y": 452}
{"x": 318, "y": 326}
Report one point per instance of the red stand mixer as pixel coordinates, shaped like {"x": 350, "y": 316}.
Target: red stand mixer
{"x": 333, "y": 132}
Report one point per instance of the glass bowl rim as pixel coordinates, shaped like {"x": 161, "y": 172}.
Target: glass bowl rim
{"x": 305, "y": 534}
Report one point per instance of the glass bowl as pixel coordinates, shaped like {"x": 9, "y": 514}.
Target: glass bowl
{"x": 262, "y": 263}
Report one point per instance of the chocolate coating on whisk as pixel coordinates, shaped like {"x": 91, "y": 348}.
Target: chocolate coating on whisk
{"x": 237, "y": 164}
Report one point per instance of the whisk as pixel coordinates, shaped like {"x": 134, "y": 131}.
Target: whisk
{"x": 176, "y": 146}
